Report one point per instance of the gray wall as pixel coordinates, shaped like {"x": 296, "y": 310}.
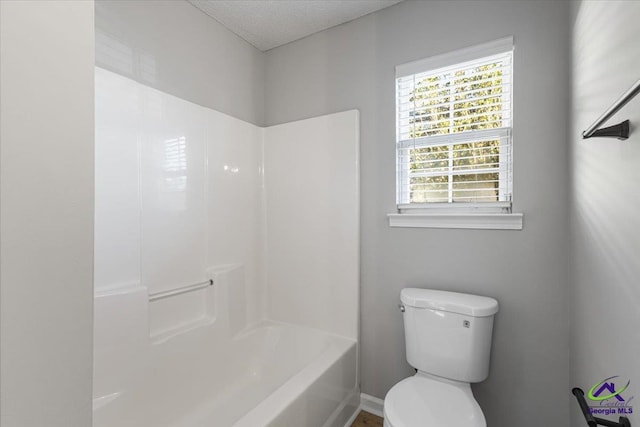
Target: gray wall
{"x": 605, "y": 205}
{"x": 352, "y": 66}
{"x": 46, "y": 213}
{"x": 174, "y": 47}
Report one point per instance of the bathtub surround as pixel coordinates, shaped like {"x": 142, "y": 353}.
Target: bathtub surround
{"x": 312, "y": 228}
{"x": 178, "y": 192}
{"x": 186, "y": 194}
{"x": 605, "y": 233}
{"x": 46, "y": 216}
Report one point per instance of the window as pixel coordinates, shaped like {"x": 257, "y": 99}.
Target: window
{"x": 454, "y": 118}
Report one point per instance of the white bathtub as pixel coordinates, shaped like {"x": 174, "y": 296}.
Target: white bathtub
{"x": 271, "y": 374}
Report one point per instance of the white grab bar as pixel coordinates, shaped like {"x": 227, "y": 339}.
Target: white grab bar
{"x": 182, "y": 290}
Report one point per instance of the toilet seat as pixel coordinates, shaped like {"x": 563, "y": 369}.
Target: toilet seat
{"x": 423, "y": 401}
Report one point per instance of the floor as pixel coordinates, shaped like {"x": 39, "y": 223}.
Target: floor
{"x": 365, "y": 419}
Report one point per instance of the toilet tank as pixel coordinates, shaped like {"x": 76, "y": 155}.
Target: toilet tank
{"x": 448, "y": 334}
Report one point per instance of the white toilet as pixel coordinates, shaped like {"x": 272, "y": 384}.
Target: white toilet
{"x": 448, "y": 340}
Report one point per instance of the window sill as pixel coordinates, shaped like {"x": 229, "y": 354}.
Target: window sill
{"x": 479, "y": 221}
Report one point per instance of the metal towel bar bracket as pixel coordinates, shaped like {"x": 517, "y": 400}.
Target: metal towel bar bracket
{"x": 183, "y": 290}
{"x": 595, "y": 421}
{"x": 621, "y": 130}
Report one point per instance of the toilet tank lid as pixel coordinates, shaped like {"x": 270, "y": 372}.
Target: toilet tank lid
{"x": 454, "y": 302}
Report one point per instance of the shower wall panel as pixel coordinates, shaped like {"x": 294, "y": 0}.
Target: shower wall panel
{"x": 312, "y": 206}
{"x": 178, "y": 199}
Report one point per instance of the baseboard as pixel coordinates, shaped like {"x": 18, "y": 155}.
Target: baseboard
{"x": 372, "y": 404}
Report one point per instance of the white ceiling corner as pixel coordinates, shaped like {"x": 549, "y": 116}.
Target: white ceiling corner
{"x": 271, "y": 23}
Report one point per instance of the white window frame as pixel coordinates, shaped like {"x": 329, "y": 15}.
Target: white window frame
{"x": 485, "y": 215}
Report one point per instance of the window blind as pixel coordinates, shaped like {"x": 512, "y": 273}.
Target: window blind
{"x": 454, "y": 134}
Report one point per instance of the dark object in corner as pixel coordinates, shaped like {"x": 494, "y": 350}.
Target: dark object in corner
{"x": 595, "y": 421}
{"x": 620, "y": 131}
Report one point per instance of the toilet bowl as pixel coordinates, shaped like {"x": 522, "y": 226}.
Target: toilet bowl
{"x": 425, "y": 401}
{"x": 448, "y": 341}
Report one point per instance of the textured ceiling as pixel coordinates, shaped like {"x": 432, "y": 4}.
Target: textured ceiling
{"x": 271, "y": 23}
